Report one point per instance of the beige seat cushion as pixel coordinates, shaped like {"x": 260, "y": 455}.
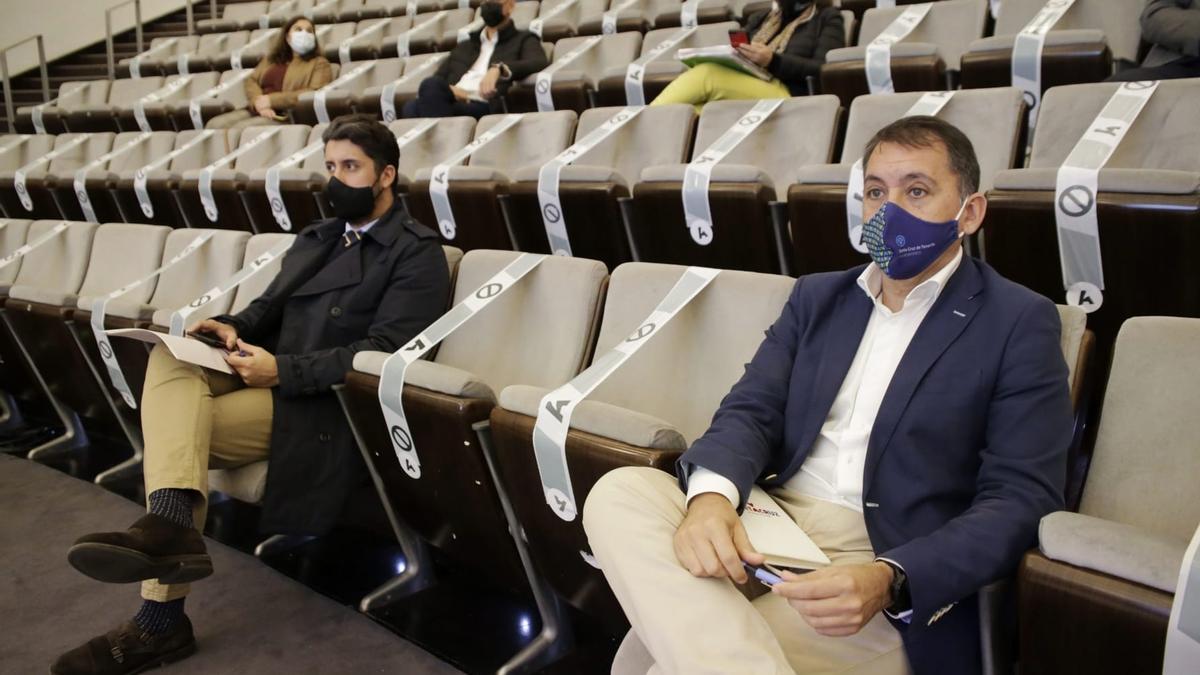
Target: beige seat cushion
{"x": 1122, "y": 551}
{"x": 602, "y": 419}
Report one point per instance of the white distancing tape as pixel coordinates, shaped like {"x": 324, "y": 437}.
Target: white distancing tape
{"x": 439, "y": 179}
{"x": 181, "y": 63}
{"x": 994, "y": 5}
{"x": 403, "y": 40}
{"x": 464, "y": 33}
{"x": 194, "y": 104}
{"x": 608, "y": 21}
{"x": 930, "y": 103}
{"x": 37, "y": 115}
{"x": 1076, "y": 190}
{"x": 140, "y": 177}
{"x": 80, "y": 182}
{"x": 879, "y": 51}
{"x": 178, "y": 322}
{"x": 139, "y": 108}
{"x": 387, "y": 97}
{"x": 391, "y": 380}
{"x": 135, "y": 64}
{"x": 322, "y": 94}
{"x": 697, "y": 174}
{"x": 348, "y": 43}
{"x": 13, "y": 143}
{"x": 1027, "y": 54}
{"x": 1182, "y": 651}
{"x": 20, "y": 252}
{"x": 885, "y": 3}
{"x": 410, "y": 9}
{"x": 275, "y": 194}
{"x": 556, "y": 408}
{"x": 687, "y": 14}
{"x": 100, "y": 306}
{"x": 235, "y": 59}
{"x": 547, "y": 188}
{"x": 545, "y": 79}
{"x": 537, "y": 24}
{"x": 319, "y": 7}
{"x": 634, "y": 73}
{"x": 19, "y": 176}
{"x": 206, "y": 174}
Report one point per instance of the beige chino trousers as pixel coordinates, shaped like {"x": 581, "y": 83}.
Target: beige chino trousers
{"x": 695, "y": 626}
{"x": 195, "y": 419}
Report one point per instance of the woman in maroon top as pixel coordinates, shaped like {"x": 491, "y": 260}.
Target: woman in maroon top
{"x": 293, "y": 66}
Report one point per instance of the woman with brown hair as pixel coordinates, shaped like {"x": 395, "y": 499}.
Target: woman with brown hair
{"x": 293, "y": 66}
{"x": 789, "y": 41}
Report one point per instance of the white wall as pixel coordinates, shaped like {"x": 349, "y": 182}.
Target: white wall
{"x": 66, "y": 25}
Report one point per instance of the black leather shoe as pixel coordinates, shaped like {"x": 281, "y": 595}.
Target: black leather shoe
{"x": 127, "y": 650}
{"x": 152, "y": 548}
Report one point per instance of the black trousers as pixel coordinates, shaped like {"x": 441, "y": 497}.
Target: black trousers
{"x": 1188, "y": 66}
{"x": 434, "y": 99}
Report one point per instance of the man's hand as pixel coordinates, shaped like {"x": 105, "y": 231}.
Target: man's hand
{"x": 711, "y": 541}
{"x": 224, "y": 332}
{"x": 761, "y": 55}
{"x": 257, "y": 368}
{"x": 460, "y": 93}
{"x": 838, "y": 601}
{"x": 487, "y": 86}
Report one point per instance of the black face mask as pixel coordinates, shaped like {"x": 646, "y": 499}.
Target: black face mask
{"x": 492, "y": 13}
{"x": 349, "y": 203}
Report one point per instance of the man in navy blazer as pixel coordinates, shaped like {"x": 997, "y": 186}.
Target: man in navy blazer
{"x": 912, "y": 415}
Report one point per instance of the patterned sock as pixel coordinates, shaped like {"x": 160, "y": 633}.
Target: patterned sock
{"x": 157, "y": 618}
{"x": 173, "y": 504}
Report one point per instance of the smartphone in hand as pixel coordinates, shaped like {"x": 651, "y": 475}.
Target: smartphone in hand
{"x": 738, "y": 37}
{"x": 209, "y": 339}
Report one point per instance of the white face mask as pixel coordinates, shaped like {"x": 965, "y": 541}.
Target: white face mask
{"x": 302, "y": 41}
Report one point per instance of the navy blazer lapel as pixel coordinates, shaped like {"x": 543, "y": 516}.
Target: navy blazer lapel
{"x": 954, "y": 309}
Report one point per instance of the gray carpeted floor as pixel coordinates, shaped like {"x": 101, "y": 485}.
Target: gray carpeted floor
{"x": 248, "y": 617}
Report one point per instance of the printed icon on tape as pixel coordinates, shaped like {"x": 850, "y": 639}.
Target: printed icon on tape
{"x": 1076, "y": 200}
{"x": 1086, "y": 296}
{"x": 447, "y": 228}
{"x": 560, "y": 503}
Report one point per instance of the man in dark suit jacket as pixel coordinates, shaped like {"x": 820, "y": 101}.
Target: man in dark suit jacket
{"x": 370, "y": 279}
{"x": 480, "y": 69}
{"x": 912, "y": 415}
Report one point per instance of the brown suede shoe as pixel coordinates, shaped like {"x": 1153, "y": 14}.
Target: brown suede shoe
{"x": 127, "y": 650}
{"x": 152, "y": 548}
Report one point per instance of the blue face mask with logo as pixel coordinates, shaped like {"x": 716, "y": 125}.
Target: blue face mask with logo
{"x": 903, "y": 245}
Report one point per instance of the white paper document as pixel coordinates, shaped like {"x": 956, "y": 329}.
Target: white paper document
{"x": 775, "y": 535}
{"x": 183, "y": 348}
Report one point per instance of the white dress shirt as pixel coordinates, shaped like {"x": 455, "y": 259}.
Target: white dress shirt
{"x": 361, "y": 230}
{"x": 471, "y": 80}
{"x": 833, "y": 470}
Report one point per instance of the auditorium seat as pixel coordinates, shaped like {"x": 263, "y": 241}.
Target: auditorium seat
{"x": 541, "y": 331}
{"x": 232, "y": 175}
{"x": 77, "y": 149}
{"x": 644, "y": 15}
{"x": 369, "y": 100}
{"x": 918, "y": 62}
{"x": 247, "y": 55}
{"x": 236, "y": 16}
{"x": 17, "y": 151}
{"x": 859, "y": 7}
{"x": 553, "y": 23}
{"x": 160, "y": 59}
{"x": 156, "y": 105}
{"x": 571, "y": 88}
{"x": 993, "y": 119}
{"x": 1079, "y": 48}
{"x": 333, "y": 11}
{"x": 664, "y": 67}
{"x": 339, "y": 95}
{"x": 367, "y": 41}
{"x": 1148, "y": 206}
{"x": 666, "y": 13}
{"x": 756, "y": 173}
{"x": 429, "y": 31}
{"x": 103, "y": 116}
{"x": 212, "y": 53}
{"x": 132, "y": 152}
{"x": 473, "y": 189}
{"x": 300, "y": 184}
{"x": 446, "y": 136}
{"x": 161, "y": 207}
{"x": 248, "y": 482}
{"x": 638, "y": 415}
{"x": 331, "y": 36}
{"x": 53, "y": 113}
{"x": 228, "y": 94}
{"x": 12, "y": 237}
{"x": 590, "y": 187}
{"x": 1096, "y": 595}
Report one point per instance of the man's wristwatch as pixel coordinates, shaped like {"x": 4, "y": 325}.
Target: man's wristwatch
{"x": 505, "y": 72}
{"x": 901, "y": 600}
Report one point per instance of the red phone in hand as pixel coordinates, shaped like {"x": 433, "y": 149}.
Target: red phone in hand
{"x": 737, "y": 38}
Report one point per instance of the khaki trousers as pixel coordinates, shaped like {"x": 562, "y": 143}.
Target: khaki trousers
{"x": 696, "y": 626}
{"x": 192, "y": 420}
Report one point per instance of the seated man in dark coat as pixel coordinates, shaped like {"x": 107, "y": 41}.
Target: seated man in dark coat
{"x": 480, "y": 69}
{"x": 370, "y": 279}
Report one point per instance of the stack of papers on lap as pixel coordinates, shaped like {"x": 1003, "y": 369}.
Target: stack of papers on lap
{"x": 724, "y": 55}
{"x": 775, "y": 535}
{"x": 183, "y": 348}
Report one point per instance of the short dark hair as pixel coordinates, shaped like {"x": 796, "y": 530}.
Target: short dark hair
{"x": 924, "y": 131}
{"x": 281, "y": 50}
{"x": 369, "y": 134}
